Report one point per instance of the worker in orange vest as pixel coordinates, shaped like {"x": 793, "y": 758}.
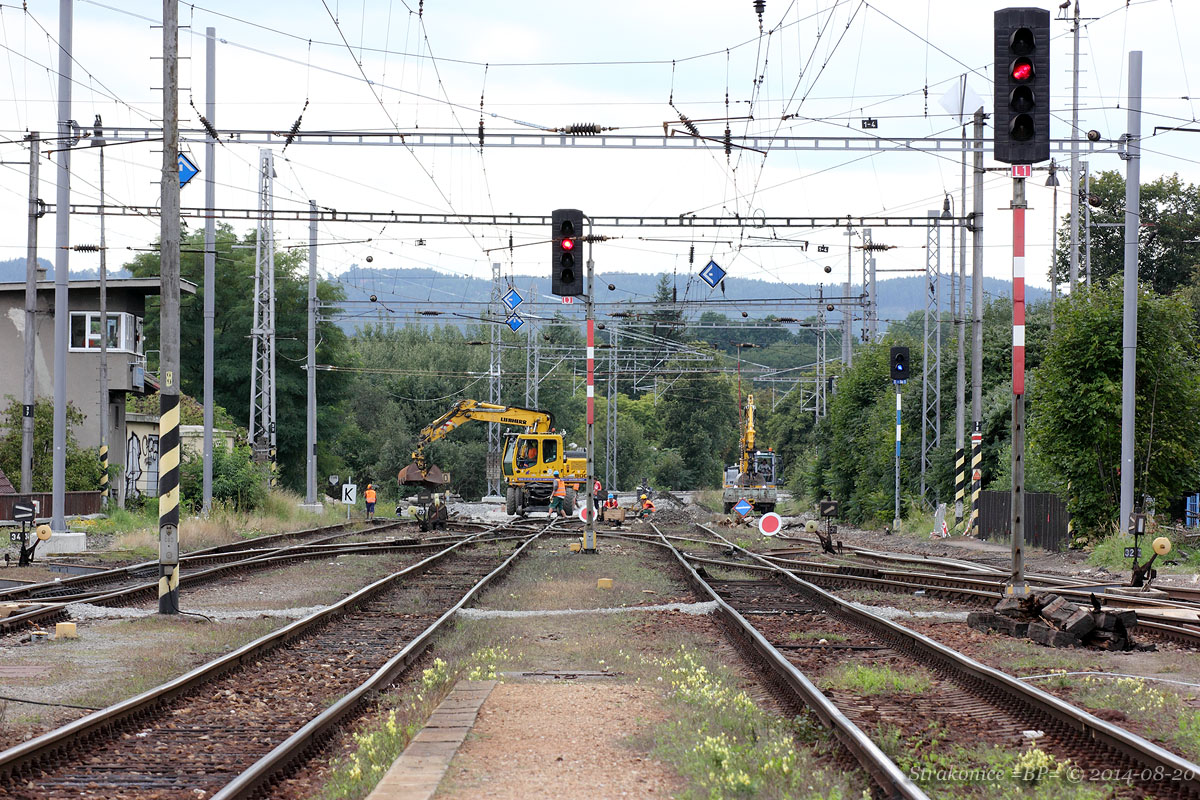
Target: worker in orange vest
{"x": 647, "y": 508}
{"x": 369, "y": 497}
{"x": 559, "y": 496}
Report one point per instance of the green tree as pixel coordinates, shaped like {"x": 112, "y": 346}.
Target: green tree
{"x": 1168, "y": 240}
{"x": 234, "y": 303}
{"x": 237, "y": 480}
{"x": 1075, "y": 415}
{"x": 82, "y": 466}
{"x": 699, "y": 416}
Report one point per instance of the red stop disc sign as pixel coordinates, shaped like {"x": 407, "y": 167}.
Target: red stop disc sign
{"x": 770, "y": 524}
{"x": 583, "y": 513}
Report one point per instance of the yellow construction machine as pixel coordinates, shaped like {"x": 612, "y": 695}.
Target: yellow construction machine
{"x": 754, "y": 477}
{"x": 529, "y": 460}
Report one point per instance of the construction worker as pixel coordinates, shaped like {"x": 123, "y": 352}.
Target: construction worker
{"x": 558, "y": 497}
{"x": 597, "y": 493}
{"x": 369, "y": 497}
{"x": 611, "y": 502}
{"x": 646, "y": 509}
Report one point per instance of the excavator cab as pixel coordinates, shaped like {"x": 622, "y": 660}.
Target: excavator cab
{"x": 530, "y": 455}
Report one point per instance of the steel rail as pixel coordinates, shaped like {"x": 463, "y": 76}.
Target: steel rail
{"x": 1031, "y": 698}
{"x": 264, "y": 770}
{"x": 98, "y": 723}
{"x": 886, "y": 774}
{"x": 52, "y": 609}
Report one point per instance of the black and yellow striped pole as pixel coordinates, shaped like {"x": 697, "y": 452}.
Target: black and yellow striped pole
{"x": 168, "y": 498}
{"x": 976, "y": 479}
{"x": 168, "y": 421}
{"x": 960, "y": 486}
{"x": 104, "y": 474}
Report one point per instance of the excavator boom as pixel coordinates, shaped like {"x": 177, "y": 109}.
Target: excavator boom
{"x": 532, "y": 420}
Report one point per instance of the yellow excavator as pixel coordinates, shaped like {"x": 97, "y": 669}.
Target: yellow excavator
{"x": 754, "y": 477}
{"x": 529, "y": 460}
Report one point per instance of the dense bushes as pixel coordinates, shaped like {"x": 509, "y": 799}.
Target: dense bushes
{"x": 237, "y": 481}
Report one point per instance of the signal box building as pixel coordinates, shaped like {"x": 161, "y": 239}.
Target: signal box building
{"x": 127, "y": 373}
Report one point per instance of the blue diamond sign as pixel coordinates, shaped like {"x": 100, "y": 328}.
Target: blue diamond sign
{"x": 743, "y": 507}
{"x": 515, "y": 322}
{"x": 512, "y": 300}
{"x": 712, "y": 274}
{"x": 187, "y": 170}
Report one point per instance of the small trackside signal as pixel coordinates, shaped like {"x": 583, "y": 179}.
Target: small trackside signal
{"x": 566, "y": 275}
{"x": 900, "y": 365}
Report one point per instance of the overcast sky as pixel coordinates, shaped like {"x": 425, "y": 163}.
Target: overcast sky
{"x": 825, "y": 64}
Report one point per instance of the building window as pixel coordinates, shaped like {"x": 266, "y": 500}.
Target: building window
{"x": 124, "y": 331}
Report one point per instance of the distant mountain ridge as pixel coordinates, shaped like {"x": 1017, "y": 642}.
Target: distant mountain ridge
{"x": 898, "y": 297}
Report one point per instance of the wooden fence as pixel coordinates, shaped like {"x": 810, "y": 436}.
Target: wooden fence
{"x": 1046, "y": 519}
{"x": 75, "y": 503}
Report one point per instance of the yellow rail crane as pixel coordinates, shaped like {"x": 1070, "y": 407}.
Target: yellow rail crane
{"x": 529, "y": 460}
{"x": 754, "y": 476}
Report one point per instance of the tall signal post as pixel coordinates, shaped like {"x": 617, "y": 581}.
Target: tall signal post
{"x": 566, "y": 280}
{"x": 1022, "y": 139}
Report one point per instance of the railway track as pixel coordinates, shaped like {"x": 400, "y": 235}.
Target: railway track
{"x": 973, "y": 701}
{"x": 133, "y": 585}
{"x": 227, "y": 728}
{"x": 1154, "y": 615}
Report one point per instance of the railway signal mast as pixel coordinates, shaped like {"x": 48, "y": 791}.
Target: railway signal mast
{"x": 566, "y": 280}
{"x": 1022, "y": 139}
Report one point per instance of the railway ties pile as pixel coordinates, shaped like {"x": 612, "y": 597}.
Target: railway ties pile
{"x": 236, "y": 721}
{"x": 930, "y": 692}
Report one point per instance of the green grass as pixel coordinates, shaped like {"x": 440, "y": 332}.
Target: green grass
{"x": 710, "y": 500}
{"x": 867, "y": 680}
{"x": 1164, "y": 710}
{"x": 386, "y": 736}
{"x": 947, "y": 769}
{"x": 727, "y": 747}
{"x": 813, "y": 636}
{"x": 1109, "y": 553}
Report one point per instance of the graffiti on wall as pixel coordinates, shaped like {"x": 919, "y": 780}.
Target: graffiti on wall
{"x": 141, "y": 465}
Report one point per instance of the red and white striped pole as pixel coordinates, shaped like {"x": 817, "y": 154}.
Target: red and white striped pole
{"x": 1017, "y": 586}
{"x": 589, "y": 534}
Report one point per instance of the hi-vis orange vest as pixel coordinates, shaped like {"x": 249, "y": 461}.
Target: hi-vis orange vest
{"x": 369, "y": 495}
{"x": 560, "y": 488}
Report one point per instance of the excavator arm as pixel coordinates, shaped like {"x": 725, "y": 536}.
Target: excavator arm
{"x": 747, "y": 438}
{"x": 466, "y": 410}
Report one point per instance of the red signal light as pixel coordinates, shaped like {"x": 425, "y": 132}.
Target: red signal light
{"x": 568, "y": 244}
{"x": 1022, "y": 69}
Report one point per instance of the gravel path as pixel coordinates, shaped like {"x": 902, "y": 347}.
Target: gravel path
{"x": 564, "y": 741}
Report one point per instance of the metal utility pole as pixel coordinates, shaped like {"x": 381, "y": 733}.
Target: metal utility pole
{"x": 1133, "y": 218}
{"x": 1074, "y": 255}
{"x": 210, "y": 258}
{"x": 589, "y": 534}
{"x": 610, "y": 444}
{"x": 960, "y": 378}
{"x": 103, "y": 337}
{"x": 847, "y": 314}
{"x": 29, "y": 396}
{"x": 493, "y": 454}
{"x": 262, "y": 374}
{"x": 1052, "y": 181}
{"x": 871, "y": 317}
{"x": 931, "y": 359}
{"x": 62, "y": 269}
{"x": 310, "y": 482}
{"x": 1087, "y": 225}
{"x": 168, "y": 393}
{"x": 1016, "y": 586}
{"x": 977, "y": 327}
